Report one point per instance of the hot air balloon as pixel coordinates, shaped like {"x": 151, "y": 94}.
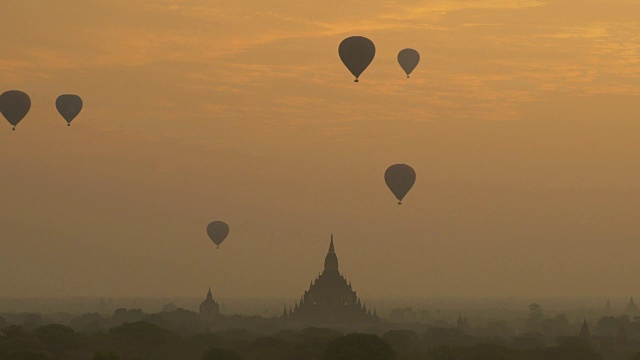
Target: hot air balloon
{"x": 69, "y": 106}
{"x": 408, "y": 59}
{"x": 400, "y": 179}
{"x": 356, "y": 52}
{"x": 14, "y": 105}
{"x": 218, "y": 231}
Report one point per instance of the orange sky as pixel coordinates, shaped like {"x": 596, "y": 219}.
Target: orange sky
{"x": 521, "y": 122}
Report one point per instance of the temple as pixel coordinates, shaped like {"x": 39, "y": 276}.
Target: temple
{"x": 631, "y": 309}
{"x": 584, "y": 331}
{"x": 209, "y": 308}
{"x": 330, "y": 299}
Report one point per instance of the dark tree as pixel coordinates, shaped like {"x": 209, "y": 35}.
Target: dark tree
{"x": 438, "y": 336}
{"x": 557, "y": 326}
{"x": 266, "y": 348}
{"x": 220, "y": 354}
{"x": 491, "y": 352}
{"x": 311, "y": 343}
{"x": 14, "y": 331}
{"x": 314, "y": 334}
{"x": 32, "y": 321}
{"x": 445, "y": 352}
{"x": 141, "y": 340}
{"x": 26, "y": 355}
{"x": 535, "y": 312}
{"x": 572, "y": 348}
{"x": 534, "y": 321}
{"x": 400, "y": 340}
{"x": 237, "y": 334}
{"x": 108, "y": 356}
{"x": 89, "y": 323}
{"x": 58, "y": 339}
{"x": 359, "y": 347}
{"x": 529, "y": 341}
{"x": 499, "y": 328}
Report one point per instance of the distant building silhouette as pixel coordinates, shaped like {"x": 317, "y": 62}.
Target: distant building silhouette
{"x": 584, "y": 331}
{"x": 102, "y": 307}
{"x": 621, "y": 339}
{"x": 209, "y": 308}
{"x": 330, "y": 299}
{"x": 631, "y": 309}
{"x": 462, "y": 325}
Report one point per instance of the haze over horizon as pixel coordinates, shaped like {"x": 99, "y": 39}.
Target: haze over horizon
{"x": 521, "y": 121}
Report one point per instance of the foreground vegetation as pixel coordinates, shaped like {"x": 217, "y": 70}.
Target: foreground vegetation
{"x": 143, "y": 340}
{"x": 178, "y": 334}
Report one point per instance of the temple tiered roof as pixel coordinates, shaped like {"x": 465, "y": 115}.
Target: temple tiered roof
{"x": 330, "y": 298}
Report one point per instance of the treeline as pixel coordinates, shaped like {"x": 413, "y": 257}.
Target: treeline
{"x": 142, "y": 340}
{"x": 182, "y": 334}
{"x": 180, "y": 321}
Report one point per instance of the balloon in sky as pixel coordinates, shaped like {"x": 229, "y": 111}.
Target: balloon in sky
{"x": 218, "y": 231}
{"x": 356, "y": 52}
{"x": 400, "y": 179}
{"x": 69, "y": 106}
{"x": 14, "y": 105}
{"x": 408, "y": 59}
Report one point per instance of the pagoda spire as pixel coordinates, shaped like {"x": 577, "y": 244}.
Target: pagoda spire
{"x": 209, "y": 295}
{"x": 584, "y": 331}
{"x": 631, "y": 309}
{"x": 331, "y": 260}
{"x": 332, "y": 250}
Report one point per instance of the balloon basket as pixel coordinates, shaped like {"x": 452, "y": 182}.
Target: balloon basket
{"x": 68, "y": 124}
{"x": 356, "y": 80}
{"x": 399, "y": 202}
{"x": 14, "y": 128}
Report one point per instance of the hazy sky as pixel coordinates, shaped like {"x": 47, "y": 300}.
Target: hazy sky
{"x": 521, "y": 121}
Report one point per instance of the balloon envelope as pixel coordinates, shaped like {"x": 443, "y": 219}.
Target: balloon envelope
{"x": 408, "y": 59}
{"x": 400, "y": 179}
{"x": 218, "y": 231}
{"x": 14, "y": 105}
{"x": 69, "y": 106}
{"x": 356, "y": 52}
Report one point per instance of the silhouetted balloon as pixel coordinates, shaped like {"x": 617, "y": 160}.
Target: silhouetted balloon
{"x": 69, "y": 106}
{"x": 400, "y": 179}
{"x": 408, "y": 59}
{"x": 356, "y": 52}
{"x": 218, "y": 231}
{"x": 14, "y": 105}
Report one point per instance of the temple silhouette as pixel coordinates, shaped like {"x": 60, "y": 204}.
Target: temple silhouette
{"x": 209, "y": 308}
{"x": 330, "y": 299}
{"x": 631, "y": 308}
